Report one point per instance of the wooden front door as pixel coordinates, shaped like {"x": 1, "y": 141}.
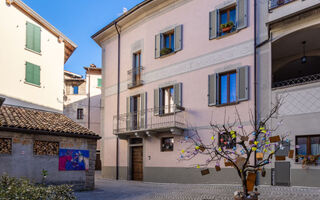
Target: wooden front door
{"x": 137, "y": 163}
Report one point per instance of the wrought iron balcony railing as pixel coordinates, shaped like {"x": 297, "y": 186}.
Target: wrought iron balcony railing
{"x": 277, "y": 3}
{"x": 151, "y": 120}
{"x": 297, "y": 81}
{"x": 134, "y": 77}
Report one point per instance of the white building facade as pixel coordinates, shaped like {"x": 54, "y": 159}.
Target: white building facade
{"x": 32, "y": 58}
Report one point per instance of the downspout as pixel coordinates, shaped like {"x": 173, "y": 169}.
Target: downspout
{"x": 89, "y": 111}
{"x": 118, "y": 103}
{"x": 255, "y": 75}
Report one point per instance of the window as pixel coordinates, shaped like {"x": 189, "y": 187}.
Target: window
{"x": 226, "y": 140}
{"x": 80, "y": 113}
{"x": 136, "y": 112}
{"x": 229, "y": 87}
{"x": 5, "y": 146}
{"x": 168, "y": 42}
{"x": 33, "y": 37}
{"x": 99, "y": 82}
{"x": 45, "y": 148}
{"x": 75, "y": 89}
{"x": 136, "y": 71}
{"x": 228, "y": 19}
{"x": 32, "y": 73}
{"x": 307, "y": 146}
{"x": 167, "y": 144}
{"x": 166, "y": 99}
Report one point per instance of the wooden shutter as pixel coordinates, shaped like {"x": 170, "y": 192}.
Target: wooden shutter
{"x": 156, "y": 101}
{"x": 143, "y": 111}
{"x": 212, "y": 90}
{"x": 243, "y": 83}
{"x": 213, "y": 16}
{"x": 242, "y": 14}
{"x": 177, "y": 89}
{"x": 178, "y": 38}
{"x": 157, "y": 45}
{"x": 29, "y": 36}
{"x": 29, "y": 73}
{"x": 36, "y": 74}
{"x": 37, "y": 38}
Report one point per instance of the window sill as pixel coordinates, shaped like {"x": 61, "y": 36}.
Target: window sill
{"x": 169, "y": 54}
{"x": 225, "y": 104}
{"x": 39, "y": 53}
{"x": 32, "y": 84}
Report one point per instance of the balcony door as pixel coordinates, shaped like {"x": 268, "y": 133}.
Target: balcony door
{"x": 136, "y": 112}
{"x": 136, "y": 75}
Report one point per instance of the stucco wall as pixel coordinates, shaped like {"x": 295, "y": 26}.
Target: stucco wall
{"x": 300, "y": 111}
{"x": 190, "y": 66}
{"x": 13, "y": 58}
{"x": 23, "y": 163}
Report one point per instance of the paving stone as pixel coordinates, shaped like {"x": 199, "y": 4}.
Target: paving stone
{"x": 131, "y": 190}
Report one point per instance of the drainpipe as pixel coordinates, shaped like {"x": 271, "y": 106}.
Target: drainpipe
{"x": 256, "y": 103}
{"x": 118, "y": 102}
{"x": 89, "y": 98}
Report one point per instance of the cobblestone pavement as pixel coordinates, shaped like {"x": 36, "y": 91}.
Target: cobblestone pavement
{"x": 130, "y": 190}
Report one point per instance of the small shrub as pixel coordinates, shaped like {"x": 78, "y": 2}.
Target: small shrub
{"x": 14, "y": 188}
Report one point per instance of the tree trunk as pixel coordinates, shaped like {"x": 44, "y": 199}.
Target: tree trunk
{"x": 244, "y": 184}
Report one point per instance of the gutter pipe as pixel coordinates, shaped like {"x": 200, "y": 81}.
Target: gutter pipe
{"x": 118, "y": 101}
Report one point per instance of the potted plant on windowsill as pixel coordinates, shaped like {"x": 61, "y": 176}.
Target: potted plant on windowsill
{"x": 226, "y": 28}
{"x": 165, "y": 51}
{"x": 280, "y": 2}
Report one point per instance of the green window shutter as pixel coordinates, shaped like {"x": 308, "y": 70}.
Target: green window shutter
{"x": 33, "y": 38}
{"x": 157, "y": 45}
{"x": 37, "y": 38}
{"x": 99, "y": 82}
{"x": 29, "y": 73}
{"x": 177, "y": 89}
{"x": 243, "y": 83}
{"x": 36, "y": 74}
{"x": 213, "y": 19}
{"x": 178, "y": 38}
{"x": 242, "y": 14}
{"x": 30, "y": 36}
{"x": 32, "y": 73}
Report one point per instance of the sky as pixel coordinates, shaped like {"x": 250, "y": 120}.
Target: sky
{"x": 79, "y": 20}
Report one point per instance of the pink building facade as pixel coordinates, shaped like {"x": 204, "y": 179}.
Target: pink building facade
{"x": 177, "y": 69}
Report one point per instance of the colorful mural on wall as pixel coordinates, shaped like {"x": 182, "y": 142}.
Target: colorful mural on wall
{"x": 71, "y": 159}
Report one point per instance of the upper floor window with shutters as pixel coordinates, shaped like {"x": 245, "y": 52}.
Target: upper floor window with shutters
{"x": 168, "y": 42}
{"x": 233, "y": 17}
{"x": 168, "y": 99}
{"x": 32, "y": 74}
{"x": 228, "y": 87}
{"x": 33, "y": 37}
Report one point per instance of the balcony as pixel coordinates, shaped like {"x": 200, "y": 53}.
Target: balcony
{"x": 277, "y": 3}
{"x": 134, "y": 77}
{"x": 168, "y": 119}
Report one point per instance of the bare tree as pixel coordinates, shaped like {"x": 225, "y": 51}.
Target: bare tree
{"x": 236, "y": 145}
